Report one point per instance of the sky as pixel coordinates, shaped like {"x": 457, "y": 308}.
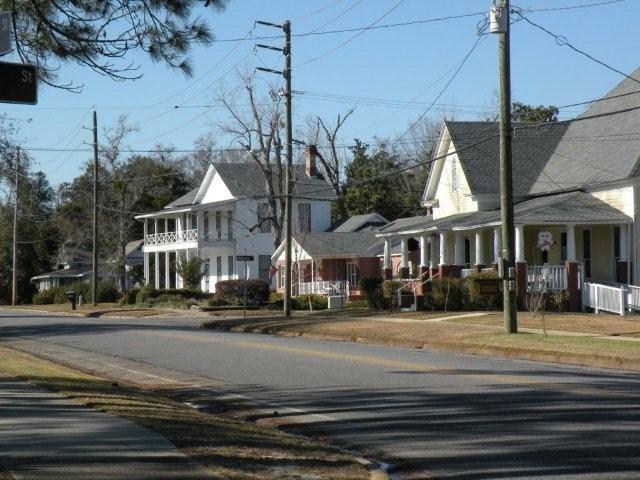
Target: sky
{"x": 408, "y": 65}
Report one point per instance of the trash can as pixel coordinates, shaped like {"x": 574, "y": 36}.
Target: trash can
{"x": 71, "y": 297}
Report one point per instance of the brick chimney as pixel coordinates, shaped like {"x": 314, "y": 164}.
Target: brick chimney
{"x": 310, "y": 155}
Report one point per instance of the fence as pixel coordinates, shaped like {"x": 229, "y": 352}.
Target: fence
{"x": 325, "y": 287}
{"x": 165, "y": 238}
{"x": 551, "y": 278}
{"x": 609, "y": 298}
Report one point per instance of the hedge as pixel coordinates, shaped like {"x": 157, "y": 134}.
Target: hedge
{"x": 447, "y": 294}
{"x": 107, "y": 292}
{"x": 372, "y": 290}
{"x": 483, "y": 301}
{"x": 232, "y": 291}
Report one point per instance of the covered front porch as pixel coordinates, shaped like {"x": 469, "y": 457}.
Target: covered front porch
{"x": 560, "y": 242}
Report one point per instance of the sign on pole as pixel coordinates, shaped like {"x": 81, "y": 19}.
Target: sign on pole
{"x": 245, "y": 258}
{"x": 5, "y": 32}
{"x": 19, "y": 83}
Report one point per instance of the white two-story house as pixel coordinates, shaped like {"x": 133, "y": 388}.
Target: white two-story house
{"x": 225, "y": 217}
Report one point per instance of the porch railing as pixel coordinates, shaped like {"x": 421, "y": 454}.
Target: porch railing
{"x": 325, "y": 287}
{"x": 471, "y": 271}
{"x": 605, "y": 297}
{"x": 166, "y": 238}
{"x": 550, "y": 278}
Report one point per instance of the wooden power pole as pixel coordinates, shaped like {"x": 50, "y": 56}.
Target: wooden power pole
{"x": 14, "y": 273}
{"x": 286, "y": 51}
{"x": 94, "y": 279}
{"x": 500, "y": 24}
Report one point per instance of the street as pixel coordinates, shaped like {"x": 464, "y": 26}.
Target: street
{"x": 429, "y": 413}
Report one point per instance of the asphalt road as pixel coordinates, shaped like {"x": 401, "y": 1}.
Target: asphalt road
{"x": 452, "y": 415}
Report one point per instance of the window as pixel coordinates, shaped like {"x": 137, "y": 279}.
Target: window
{"x": 206, "y": 226}
{"x": 586, "y": 252}
{"x": 454, "y": 175}
{"x": 352, "y": 273}
{"x": 219, "y": 224}
{"x": 264, "y": 265}
{"x": 281, "y": 276}
{"x": 264, "y": 220}
{"x": 304, "y": 217}
{"x": 563, "y": 247}
{"x": 207, "y": 278}
{"x": 467, "y": 253}
{"x": 230, "y": 266}
{"x": 229, "y": 225}
{"x": 616, "y": 244}
{"x": 218, "y": 268}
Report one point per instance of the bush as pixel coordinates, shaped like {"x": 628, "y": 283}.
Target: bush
{"x": 216, "y": 302}
{"x": 130, "y": 296}
{"x": 145, "y": 294}
{"x": 481, "y": 301}
{"x": 46, "y": 297}
{"x": 447, "y": 294}
{"x": 191, "y": 271}
{"x": 357, "y": 304}
{"x": 301, "y": 302}
{"x": 372, "y": 290}
{"x": 233, "y": 291}
{"x": 107, "y": 292}
{"x": 390, "y": 287}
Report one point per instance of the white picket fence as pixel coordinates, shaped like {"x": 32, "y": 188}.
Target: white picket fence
{"x": 614, "y": 298}
{"x": 323, "y": 288}
{"x": 549, "y": 278}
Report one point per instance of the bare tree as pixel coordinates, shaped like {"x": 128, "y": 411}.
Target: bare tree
{"x": 259, "y": 131}
{"x": 536, "y": 302}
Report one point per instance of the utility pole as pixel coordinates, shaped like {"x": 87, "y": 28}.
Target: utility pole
{"x": 500, "y": 24}
{"x": 14, "y": 279}
{"x": 94, "y": 279}
{"x": 286, "y": 51}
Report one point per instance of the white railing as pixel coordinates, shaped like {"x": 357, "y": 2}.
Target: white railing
{"x": 550, "y": 278}
{"x": 166, "y": 238}
{"x": 325, "y": 287}
{"x": 633, "y": 297}
{"x": 605, "y": 297}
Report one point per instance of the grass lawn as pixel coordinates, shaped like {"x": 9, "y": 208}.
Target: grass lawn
{"x": 229, "y": 448}
{"x": 472, "y": 335}
{"x": 89, "y": 310}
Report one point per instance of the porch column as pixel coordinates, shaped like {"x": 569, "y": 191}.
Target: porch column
{"x": 156, "y": 268}
{"x": 167, "y": 270}
{"x": 479, "y": 265}
{"x": 145, "y": 257}
{"x": 520, "y": 243}
{"x": 459, "y": 249}
{"x": 155, "y": 226}
{"x": 571, "y": 242}
{"x": 387, "y": 268}
{"x": 496, "y": 245}
{"x": 444, "y": 248}
{"x": 145, "y": 230}
{"x": 404, "y": 253}
{"x": 433, "y": 263}
{"x": 200, "y": 224}
{"x": 166, "y": 225}
{"x": 424, "y": 244}
{"x": 177, "y": 276}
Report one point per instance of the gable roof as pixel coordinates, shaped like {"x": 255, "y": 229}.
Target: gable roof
{"x": 357, "y": 222}
{"x": 600, "y": 149}
{"x": 478, "y": 149}
{"x": 247, "y": 179}
{"x": 339, "y": 244}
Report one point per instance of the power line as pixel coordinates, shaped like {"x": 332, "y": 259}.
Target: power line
{"x": 572, "y": 7}
{"x": 350, "y": 39}
{"x": 562, "y": 41}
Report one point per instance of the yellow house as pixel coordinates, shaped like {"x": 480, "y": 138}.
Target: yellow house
{"x": 576, "y": 189}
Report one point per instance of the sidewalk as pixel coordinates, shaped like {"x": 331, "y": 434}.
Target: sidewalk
{"x": 44, "y": 436}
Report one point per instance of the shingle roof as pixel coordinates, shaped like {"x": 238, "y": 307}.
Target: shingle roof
{"x": 408, "y": 223}
{"x": 600, "y": 149}
{"x": 356, "y": 222}
{"x": 246, "y": 178}
{"x": 571, "y": 207}
{"x": 531, "y": 148}
{"x": 335, "y": 244}
{"x": 186, "y": 199}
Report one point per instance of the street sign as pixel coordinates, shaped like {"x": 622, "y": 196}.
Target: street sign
{"x": 5, "y": 32}
{"x": 19, "y": 83}
{"x": 245, "y": 258}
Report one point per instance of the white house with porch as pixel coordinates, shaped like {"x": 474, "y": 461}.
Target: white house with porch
{"x": 576, "y": 186}
{"x": 226, "y": 216}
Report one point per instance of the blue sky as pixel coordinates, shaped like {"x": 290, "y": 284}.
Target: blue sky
{"x": 395, "y": 63}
